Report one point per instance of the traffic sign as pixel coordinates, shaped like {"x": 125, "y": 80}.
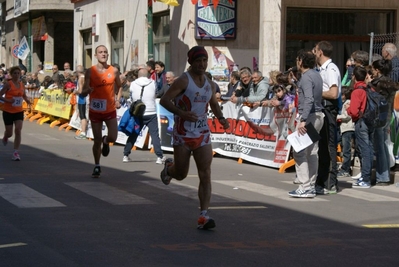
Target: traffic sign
{"x": 14, "y": 51}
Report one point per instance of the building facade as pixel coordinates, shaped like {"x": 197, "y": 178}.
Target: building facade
{"x": 47, "y": 25}
{"x": 266, "y": 33}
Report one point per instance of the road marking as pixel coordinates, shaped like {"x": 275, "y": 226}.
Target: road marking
{"x": 237, "y": 207}
{"x": 267, "y": 191}
{"x": 108, "y": 193}
{"x": 359, "y": 194}
{"x": 43, "y": 137}
{"x": 23, "y": 196}
{"x": 13, "y": 245}
{"x": 188, "y": 191}
{"x": 381, "y": 225}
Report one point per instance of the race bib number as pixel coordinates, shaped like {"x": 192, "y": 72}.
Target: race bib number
{"x": 201, "y": 123}
{"x": 98, "y": 104}
{"x": 17, "y": 101}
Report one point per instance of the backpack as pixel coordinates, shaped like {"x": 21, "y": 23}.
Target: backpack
{"x": 376, "y": 113}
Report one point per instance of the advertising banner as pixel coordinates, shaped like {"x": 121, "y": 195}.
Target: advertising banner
{"x": 257, "y": 135}
{"x": 55, "y": 102}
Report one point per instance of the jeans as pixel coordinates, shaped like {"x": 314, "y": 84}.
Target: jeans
{"x": 307, "y": 160}
{"x": 346, "y": 139}
{"x": 151, "y": 121}
{"x": 364, "y": 143}
{"x": 382, "y": 155}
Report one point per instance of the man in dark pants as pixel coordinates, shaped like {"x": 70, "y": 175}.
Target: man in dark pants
{"x": 327, "y": 182}
{"x": 150, "y": 116}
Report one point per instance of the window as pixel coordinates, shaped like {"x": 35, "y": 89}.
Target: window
{"x": 87, "y": 48}
{"x": 117, "y": 42}
{"x": 347, "y": 29}
{"x": 161, "y": 31}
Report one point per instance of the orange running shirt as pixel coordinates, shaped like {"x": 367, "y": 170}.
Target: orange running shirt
{"x": 102, "y": 98}
{"x": 17, "y": 94}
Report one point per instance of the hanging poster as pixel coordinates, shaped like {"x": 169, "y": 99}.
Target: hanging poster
{"x": 218, "y": 23}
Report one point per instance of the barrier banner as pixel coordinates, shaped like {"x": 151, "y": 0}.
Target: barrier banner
{"x": 54, "y": 102}
{"x": 257, "y": 135}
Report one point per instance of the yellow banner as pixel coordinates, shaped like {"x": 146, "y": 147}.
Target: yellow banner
{"x": 55, "y": 102}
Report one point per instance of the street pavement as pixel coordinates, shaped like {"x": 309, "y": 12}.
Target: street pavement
{"x": 52, "y": 213}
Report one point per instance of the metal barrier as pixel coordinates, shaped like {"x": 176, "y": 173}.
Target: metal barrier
{"x": 377, "y": 41}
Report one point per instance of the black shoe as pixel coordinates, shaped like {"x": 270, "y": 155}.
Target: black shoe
{"x": 96, "y": 172}
{"x": 105, "y": 149}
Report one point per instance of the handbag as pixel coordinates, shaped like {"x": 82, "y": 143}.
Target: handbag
{"x": 137, "y": 108}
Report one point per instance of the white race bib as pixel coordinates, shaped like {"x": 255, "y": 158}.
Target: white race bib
{"x": 17, "y": 101}
{"x": 202, "y": 122}
{"x": 98, "y": 104}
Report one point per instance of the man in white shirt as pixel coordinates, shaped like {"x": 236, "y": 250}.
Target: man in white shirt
{"x": 150, "y": 116}
{"x": 327, "y": 182}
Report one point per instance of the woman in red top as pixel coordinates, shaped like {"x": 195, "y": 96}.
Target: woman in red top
{"x": 13, "y": 94}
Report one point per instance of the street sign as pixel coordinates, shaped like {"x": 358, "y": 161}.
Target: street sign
{"x": 14, "y": 51}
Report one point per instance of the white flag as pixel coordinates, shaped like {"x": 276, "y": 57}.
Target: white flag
{"x": 23, "y": 49}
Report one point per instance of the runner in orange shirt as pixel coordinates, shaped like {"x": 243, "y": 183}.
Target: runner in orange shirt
{"x": 100, "y": 81}
{"x": 13, "y": 113}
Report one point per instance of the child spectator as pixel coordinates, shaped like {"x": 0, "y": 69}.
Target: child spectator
{"x": 285, "y": 100}
{"x": 363, "y": 133}
{"x": 347, "y": 128}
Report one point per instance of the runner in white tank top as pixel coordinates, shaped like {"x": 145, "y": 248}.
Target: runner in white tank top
{"x": 188, "y": 98}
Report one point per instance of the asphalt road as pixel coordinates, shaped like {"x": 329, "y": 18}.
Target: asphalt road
{"x": 52, "y": 213}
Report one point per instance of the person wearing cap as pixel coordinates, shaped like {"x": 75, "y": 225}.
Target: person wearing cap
{"x": 188, "y": 98}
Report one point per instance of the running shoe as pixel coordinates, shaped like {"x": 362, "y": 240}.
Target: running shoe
{"x": 160, "y": 160}
{"x": 361, "y": 184}
{"x": 302, "y": 194}
{"x": 126, "y": 159}
{"x": 96, "y": 172}
{"x": 15, "y": 156}
{"x": 81, "y": 137}
{"x": 205, "y": 222}
{"x": 5, "y": 141}
{"x": 105, "y": 149}
{"x": 165, "y": 177}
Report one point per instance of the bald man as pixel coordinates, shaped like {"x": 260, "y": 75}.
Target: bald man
{"x": 389, "y": 51}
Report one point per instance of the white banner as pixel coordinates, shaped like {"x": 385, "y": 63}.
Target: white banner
{"x": 23, "y": 49}
{"x": 257, "y": 135}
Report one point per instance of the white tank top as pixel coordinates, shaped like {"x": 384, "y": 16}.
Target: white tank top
{"x": 193, "y": 99}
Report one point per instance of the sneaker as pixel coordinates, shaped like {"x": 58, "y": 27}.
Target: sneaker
{"x": 160, "y": 160}
{"x": 361, "y": 184}
{"x": 15, "y": 156}
{"x": 205, "y": 222}
{"x": 357, "y": 176}
{"x": 5, "y": 140}
{"x": 105, "y": 149}
{"x": 343, "y": 174}
{"x": 96, "y": 172}
{"x": 165, "y": 178}
{"x": 302, "y": 194}
{"x": 81, "y": 137}
{"x": 126, "y": 159}
{"x": 382, "y": 184}
{"x": 320, "y": 190}
{"x": 324, "y": 191}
